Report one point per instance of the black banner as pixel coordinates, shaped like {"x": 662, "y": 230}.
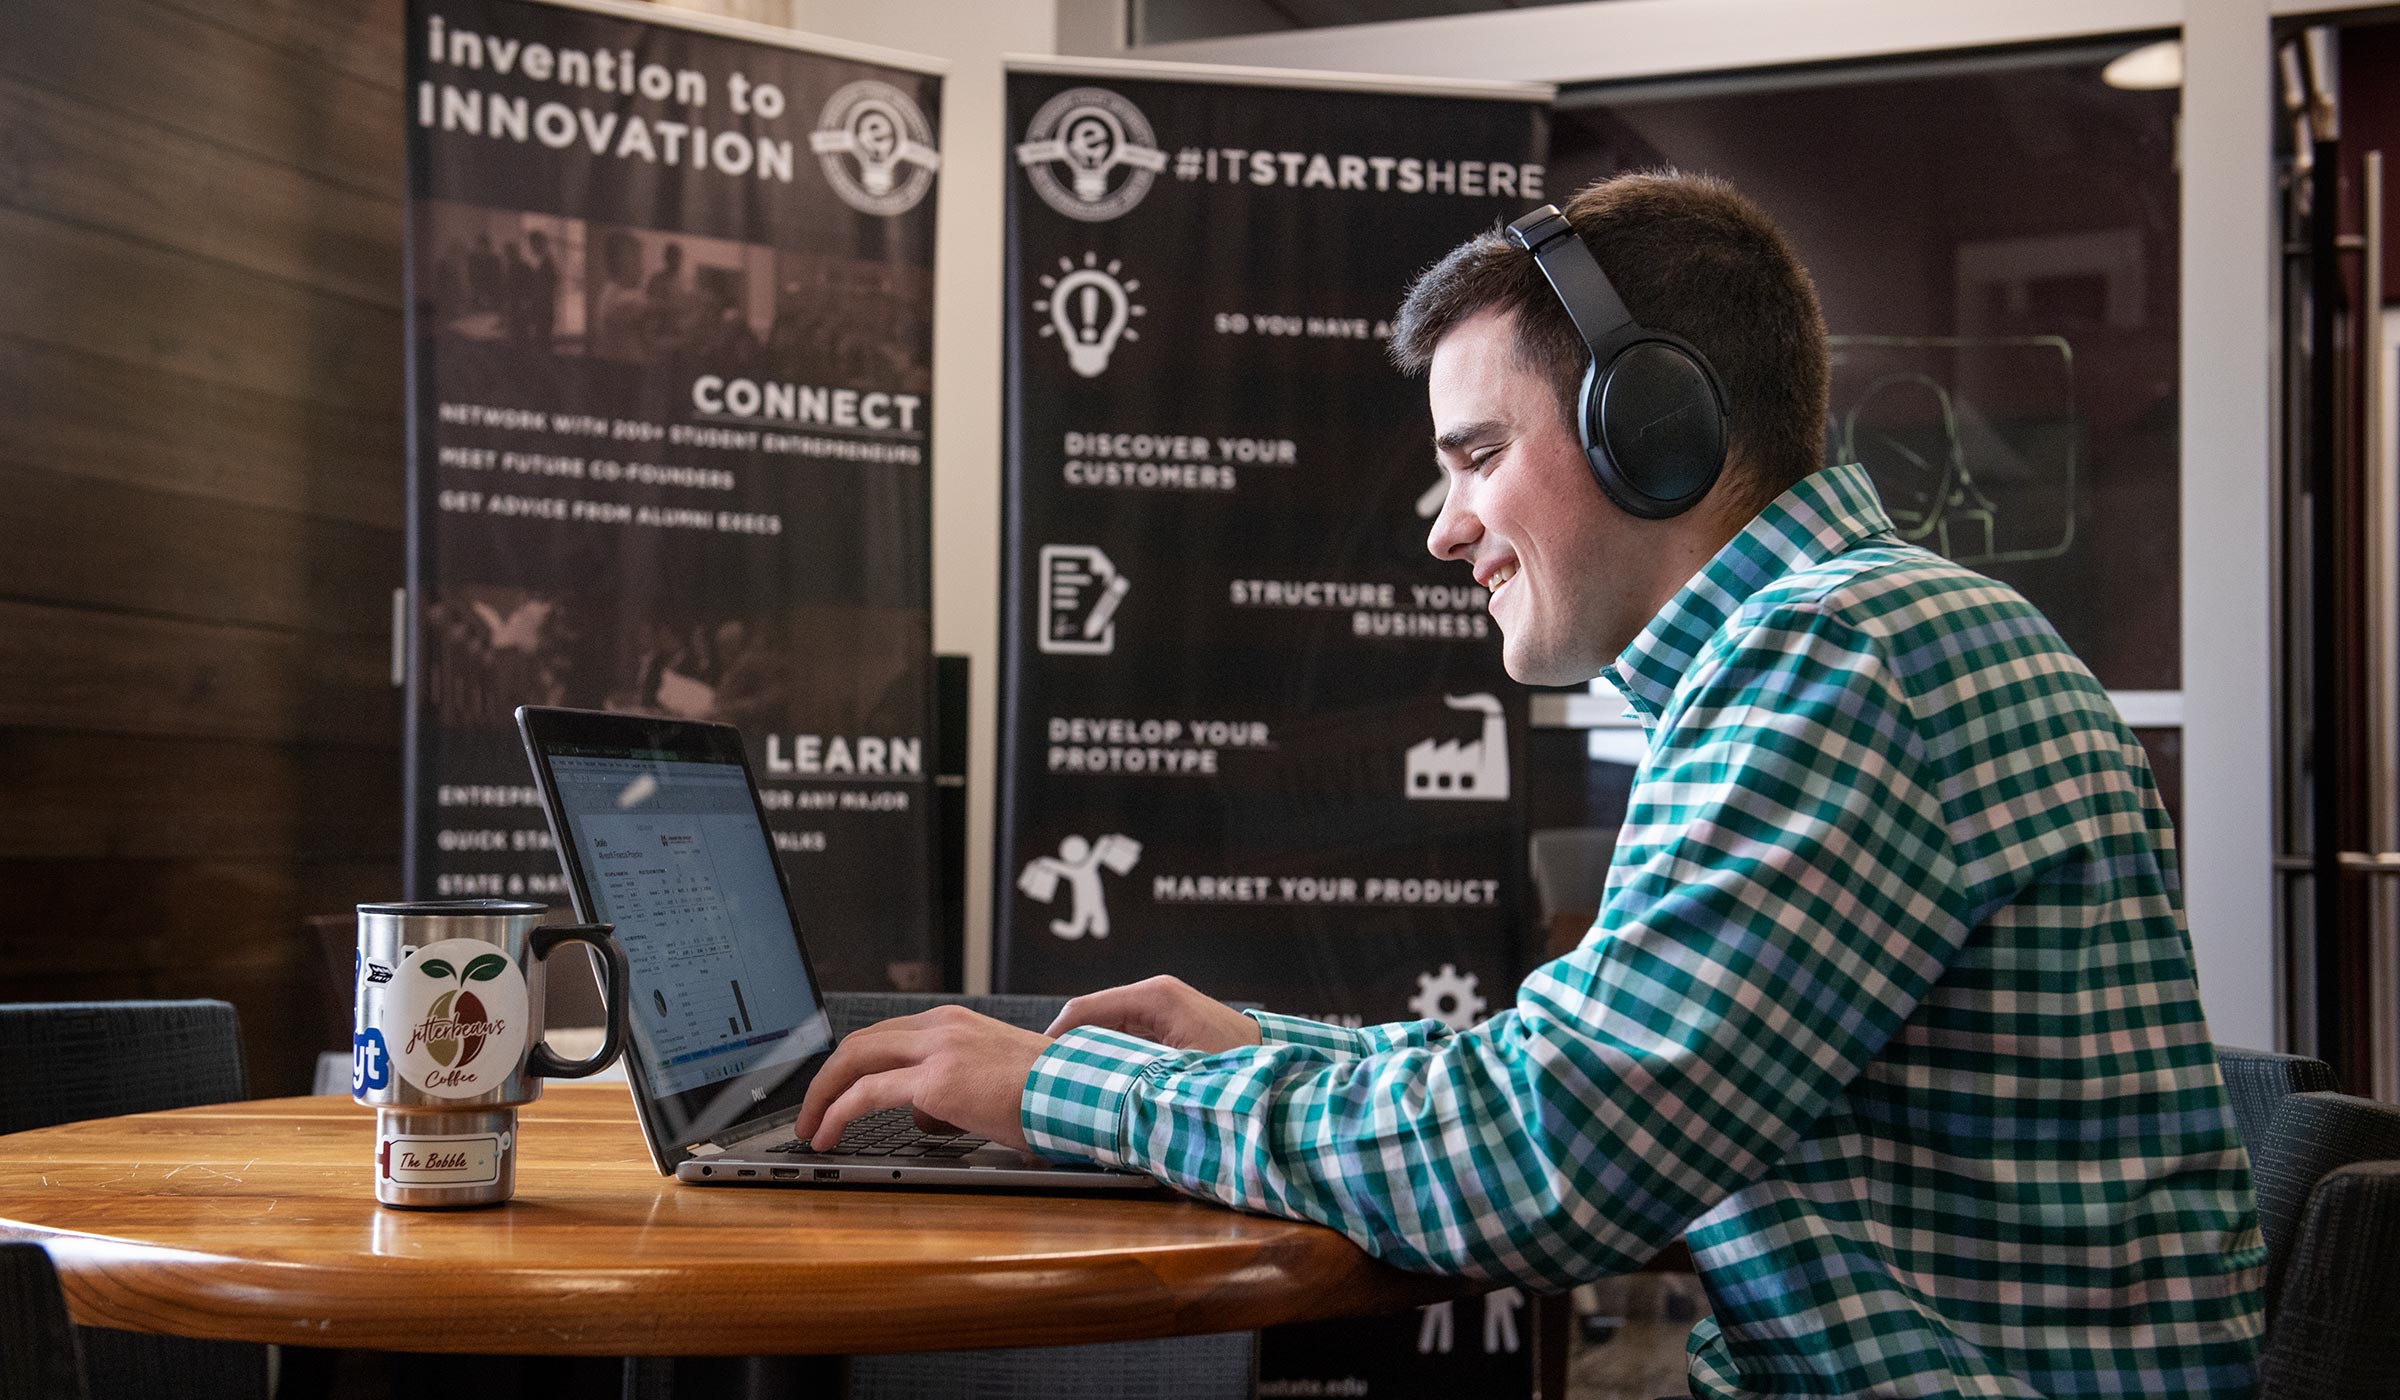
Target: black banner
{"x": 670, "y": 304}
{"x": 1481, "y": 1347}
{"x": 1253, "y": 734}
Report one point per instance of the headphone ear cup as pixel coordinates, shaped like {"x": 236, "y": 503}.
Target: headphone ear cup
{"x": 1654, "y": 428}
{"x": 1592, "y": 431}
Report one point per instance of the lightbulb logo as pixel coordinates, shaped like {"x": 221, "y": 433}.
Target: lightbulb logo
{"x": 1091, "y": 309}
{"x": 876, "y": 147}
{"x": 1105, "y": 146}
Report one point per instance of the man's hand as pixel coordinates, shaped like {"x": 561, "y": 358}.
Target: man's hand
{"x": 1163, "y": 1010}
{"x": 955, "y": 1067}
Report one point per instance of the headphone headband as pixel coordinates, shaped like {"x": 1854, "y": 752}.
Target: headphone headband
{"x": 1591, "y": 301}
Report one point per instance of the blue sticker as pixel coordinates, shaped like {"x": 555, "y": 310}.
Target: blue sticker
{"x": 370, "y": 1062}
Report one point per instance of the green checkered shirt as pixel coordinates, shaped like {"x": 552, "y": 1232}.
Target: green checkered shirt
{"x": 1890, "y": 1013}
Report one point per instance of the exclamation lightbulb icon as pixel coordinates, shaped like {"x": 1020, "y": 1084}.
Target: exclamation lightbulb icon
{"x": 1091, "y": 308}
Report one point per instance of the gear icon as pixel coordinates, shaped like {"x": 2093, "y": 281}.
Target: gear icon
{"x": 1447, "y": 996}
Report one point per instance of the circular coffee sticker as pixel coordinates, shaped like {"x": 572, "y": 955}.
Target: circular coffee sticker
{"x": 457, "y": 1020}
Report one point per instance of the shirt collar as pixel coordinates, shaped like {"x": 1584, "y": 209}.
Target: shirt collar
{"x": 1827, "y": 513}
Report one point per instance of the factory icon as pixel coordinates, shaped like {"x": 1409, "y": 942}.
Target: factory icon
{"x": 1475, "y": 770}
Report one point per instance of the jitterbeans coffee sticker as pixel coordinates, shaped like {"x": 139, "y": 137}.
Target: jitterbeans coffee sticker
{"x": 458, "y": 1018}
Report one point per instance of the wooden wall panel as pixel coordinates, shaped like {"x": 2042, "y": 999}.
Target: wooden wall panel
{"x": 181, "y": 799}
{"x": 363, "y": 41}
{"x": 218, "y": 79}
{"x": 99, "y": 419}
{"x": 79, "y": 543}
{"x": 201, "y": 456}
{"x": 154, "y": 308}
{"x": 119, "y": 673}
{"x": 82, "y": 164}
{"x": 103, "y": 929}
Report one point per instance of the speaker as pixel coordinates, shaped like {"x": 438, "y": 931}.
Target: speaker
{"x": 950, "y": 675}
{"x": 1651, "y": 412}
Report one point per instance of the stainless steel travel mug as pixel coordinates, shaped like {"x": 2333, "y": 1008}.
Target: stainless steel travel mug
{"x": 447, "y": 1040}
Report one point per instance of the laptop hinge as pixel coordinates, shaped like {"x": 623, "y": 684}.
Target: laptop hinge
{"x": 755, "y": 1126}
{"x": 750, "y": 1129}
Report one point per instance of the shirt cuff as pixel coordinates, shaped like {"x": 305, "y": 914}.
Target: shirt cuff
{"x": 1074, "y": 1104}
{"x": 1314, "y": 1035}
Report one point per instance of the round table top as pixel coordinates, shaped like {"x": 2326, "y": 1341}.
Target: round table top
{"x": 257, "y": 1222}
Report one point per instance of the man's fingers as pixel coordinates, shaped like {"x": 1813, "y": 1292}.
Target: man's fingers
{"x": 883, "y": 1046}
{"x": 889, "y": 1089}
{"x": 948, "y": 1064}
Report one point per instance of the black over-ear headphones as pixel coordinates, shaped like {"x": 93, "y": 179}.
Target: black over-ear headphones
{"x": 1651, "y": 414}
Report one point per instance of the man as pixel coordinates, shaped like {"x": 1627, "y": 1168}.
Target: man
{"x": 1890, "y": 1012}
{"x": 621, "y": 317}
{"x": 533, "y": 293}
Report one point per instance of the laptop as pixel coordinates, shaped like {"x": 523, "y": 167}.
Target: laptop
{"x": 660, "y": 831}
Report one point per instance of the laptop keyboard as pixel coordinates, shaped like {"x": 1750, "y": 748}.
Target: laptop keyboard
{"x": 891, "y": 1132}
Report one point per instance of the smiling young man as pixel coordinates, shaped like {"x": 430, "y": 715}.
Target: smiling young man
{"x": 1889, "y": 1012}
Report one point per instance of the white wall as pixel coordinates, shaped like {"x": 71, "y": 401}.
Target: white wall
{"x": 2229, "y": 264}
{"x": 966, "y": 356}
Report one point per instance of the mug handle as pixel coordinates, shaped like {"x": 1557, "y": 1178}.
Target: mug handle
{"x": 600, "y": 939}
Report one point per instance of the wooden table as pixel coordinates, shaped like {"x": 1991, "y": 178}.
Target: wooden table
{"x": 257, "y": 1222}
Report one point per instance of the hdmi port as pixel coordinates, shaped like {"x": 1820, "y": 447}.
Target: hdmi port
{"x": 787, "y": 1173}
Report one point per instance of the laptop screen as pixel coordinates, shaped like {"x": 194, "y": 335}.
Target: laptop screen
{"x": 671, "y": 850}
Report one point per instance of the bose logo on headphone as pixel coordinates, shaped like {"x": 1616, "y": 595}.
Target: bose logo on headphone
{"x": 1651, "y": 413}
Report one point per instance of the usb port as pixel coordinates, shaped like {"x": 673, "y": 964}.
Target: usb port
{"x": 829, "y": 1173}
{"x": 747, "y": 1172}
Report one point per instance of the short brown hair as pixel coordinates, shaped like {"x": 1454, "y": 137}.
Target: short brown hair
{"x": 1691, "y": 257}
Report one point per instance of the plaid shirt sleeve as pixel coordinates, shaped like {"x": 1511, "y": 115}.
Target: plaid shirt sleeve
{"x": 1743, "y": 972}
{"x": 1343, "y": 1040}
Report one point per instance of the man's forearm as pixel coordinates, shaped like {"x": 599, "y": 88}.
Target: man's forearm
{"x": 1344, "y": 1041}
{"x": 1375, "y": 1145}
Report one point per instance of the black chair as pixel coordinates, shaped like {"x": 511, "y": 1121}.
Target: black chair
{"x": 2259, "y": 1081}
{"x": 39, "y": 1355}
{"x": 64, "y": 1062}
{"x": 850, "y": 1011}
{"x": 1168, "y": 1368}
{"x": 2328, "y": 1177}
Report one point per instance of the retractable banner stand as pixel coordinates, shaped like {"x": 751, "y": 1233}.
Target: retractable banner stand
{"x": 1253, "y": 734}
{"x": 670, "y": 307}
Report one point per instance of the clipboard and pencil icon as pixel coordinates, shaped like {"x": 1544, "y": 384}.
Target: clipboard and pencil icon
{"x": 1081, "y": 590}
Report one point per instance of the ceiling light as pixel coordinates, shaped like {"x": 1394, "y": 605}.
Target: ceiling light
{"x": 2150, "y": 68}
